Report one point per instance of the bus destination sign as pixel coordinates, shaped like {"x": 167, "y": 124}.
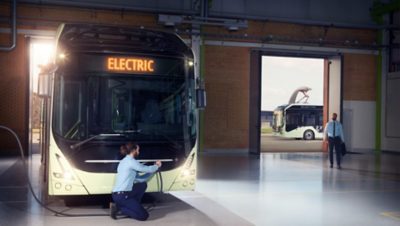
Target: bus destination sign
{"x": 130, "y": 64}
{"x": 123, "y": 64}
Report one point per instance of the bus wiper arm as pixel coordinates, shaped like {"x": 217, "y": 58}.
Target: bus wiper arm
{"x": 128, "y": 131}
{"x": 73, "y": 146}
{"x": 168, "y": 138}
{"x": 139, "y": 131}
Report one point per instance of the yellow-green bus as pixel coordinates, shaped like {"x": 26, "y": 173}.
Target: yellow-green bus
{"x": 113, "y": 85}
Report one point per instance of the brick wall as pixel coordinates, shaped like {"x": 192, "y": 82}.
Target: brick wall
{"x": 359, "y": 77}
{"x": 13, "y": 92}
{"x": 227, "y": 84}
{"x": 226, "y": 68}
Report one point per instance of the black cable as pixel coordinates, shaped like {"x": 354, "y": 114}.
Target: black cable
{"x": 160, "y": 185}
{"x": 57, "y": 213}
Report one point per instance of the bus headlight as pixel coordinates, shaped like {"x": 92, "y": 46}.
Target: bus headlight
{"x": 68, "y": 187}
{"x": 188, "y": 173}
{"x": 58, "y": 175}
{"x": 68, "y": 175}
{"x": 57, "y": 185}
{"x": 185, "y": 172}
{"x": 65, "y": 174}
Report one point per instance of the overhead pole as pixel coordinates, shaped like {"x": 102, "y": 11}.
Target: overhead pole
{"x": 198, "y": 47}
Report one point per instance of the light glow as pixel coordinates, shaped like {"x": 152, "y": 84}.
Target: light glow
{"x": 185, "y": 172}
{"x": 68, "y": 175}
{"x": 41, "y": 53}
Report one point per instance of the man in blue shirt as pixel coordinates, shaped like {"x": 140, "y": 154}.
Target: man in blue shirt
{"x": 334, "y": 133}
{"x": 129, "y": 187}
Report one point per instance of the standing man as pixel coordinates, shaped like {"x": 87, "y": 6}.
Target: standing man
{"x": 334, "y": 133}
{"x": 129, "y": 186}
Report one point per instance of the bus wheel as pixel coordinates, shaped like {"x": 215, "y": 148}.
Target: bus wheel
{"x": 308, "y": 135}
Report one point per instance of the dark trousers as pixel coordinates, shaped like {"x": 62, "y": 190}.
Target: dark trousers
{"x": 335, "y": 143}
{"x": 129, "y": 202}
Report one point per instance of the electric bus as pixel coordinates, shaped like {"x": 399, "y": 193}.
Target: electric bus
{"x": 113, "y": 85}
{"x": 298, "y": 120}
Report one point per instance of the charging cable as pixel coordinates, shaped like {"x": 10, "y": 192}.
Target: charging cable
{"x": 57, "y": 213}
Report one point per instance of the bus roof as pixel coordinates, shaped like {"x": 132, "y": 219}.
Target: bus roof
{"x": 303, "y": 106}
{"x": 112, "y": 39}
{"x": 299, "y": 105}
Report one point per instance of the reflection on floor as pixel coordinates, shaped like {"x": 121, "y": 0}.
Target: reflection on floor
{"x": 237, "y": 189}
{"x": 300, "y": 188}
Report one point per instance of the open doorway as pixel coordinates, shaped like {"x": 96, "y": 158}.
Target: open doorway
{"x": 291, "y": 104}
{"x": 40, "y": 53}
{"x": 332, "y": 88}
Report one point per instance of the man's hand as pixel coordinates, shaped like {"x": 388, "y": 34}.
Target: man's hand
{"x": 158, "y": 163}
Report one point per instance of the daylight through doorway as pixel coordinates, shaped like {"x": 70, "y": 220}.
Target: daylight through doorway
{"x": 291, "y": 104}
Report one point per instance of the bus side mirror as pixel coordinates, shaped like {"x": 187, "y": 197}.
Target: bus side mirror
{"x": 201, "y": 100}
{"x": 44, "y": 79}
{"x": 44, "y": 85}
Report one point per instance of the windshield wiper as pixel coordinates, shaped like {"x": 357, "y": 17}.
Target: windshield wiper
{"x": 168, "y": 138}
{"x": 73, "y": 146}
{"x": 128, "y": 131}
{"x": 139, "y": 131}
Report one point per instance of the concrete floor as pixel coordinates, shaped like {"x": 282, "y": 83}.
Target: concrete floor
{"x": 273, "y": 143}
{"x": 236, "y": 189}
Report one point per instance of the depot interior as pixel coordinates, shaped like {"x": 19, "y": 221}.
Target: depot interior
{"x": 238, "y": 183}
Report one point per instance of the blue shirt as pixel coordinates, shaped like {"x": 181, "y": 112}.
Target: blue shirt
{"x": 338, "y": 129}
{"x": 127, "y": 173}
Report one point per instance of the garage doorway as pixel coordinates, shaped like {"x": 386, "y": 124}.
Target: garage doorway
{"x": 291, "y": 104}
{"x": 41, "y": 51}
{"x": 330, "y": 81}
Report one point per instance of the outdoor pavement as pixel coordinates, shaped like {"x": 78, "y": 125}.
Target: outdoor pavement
{"x": 272, "y": 143}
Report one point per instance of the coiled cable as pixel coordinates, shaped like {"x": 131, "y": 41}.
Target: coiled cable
{"x": 57, "y": 213}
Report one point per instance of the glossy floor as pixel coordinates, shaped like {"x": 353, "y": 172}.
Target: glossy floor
{"x": 300, "y": 188}
{"x": 236, "y": 189}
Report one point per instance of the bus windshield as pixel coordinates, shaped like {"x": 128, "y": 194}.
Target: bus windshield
{"x": 146, "y": 107}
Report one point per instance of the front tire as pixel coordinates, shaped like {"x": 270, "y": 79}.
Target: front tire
{"x": 308, "y": 135}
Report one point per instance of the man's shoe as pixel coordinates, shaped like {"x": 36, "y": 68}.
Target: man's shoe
{"x": 339, "y": 167}
{"x": 113, "y": 210}
{"x": 331, "y": 166}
